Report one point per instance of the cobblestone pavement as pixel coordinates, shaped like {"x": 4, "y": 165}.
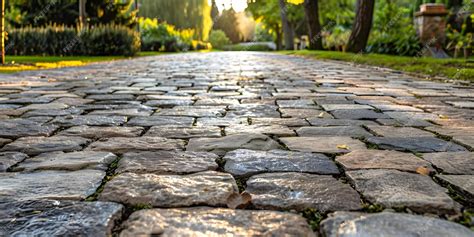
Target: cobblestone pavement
{"x": 234, "y": 144}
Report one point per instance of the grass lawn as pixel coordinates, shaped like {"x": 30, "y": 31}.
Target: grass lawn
{"x": 460, "y": 69}
{"x": 22, "y": 63}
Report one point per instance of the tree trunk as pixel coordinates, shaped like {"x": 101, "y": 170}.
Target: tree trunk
{"x": 362, "y": 26}
{"x": 278, "y": 38}
{"x": 286, "y": 26}
{"x": 2, "y": 28}
{"x": 82, "y": 13}
{"x": 314, "y": 27}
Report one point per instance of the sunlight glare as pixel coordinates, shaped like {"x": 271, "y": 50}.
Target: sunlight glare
{"x": 238, "y": 5}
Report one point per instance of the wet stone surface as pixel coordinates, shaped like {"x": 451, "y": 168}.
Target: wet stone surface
{"x": 244, "y": 130}
{"x": 278, "y": 130}
{"x": 167, "y": 162}
{"x": 248, "y": 162}
{"x": 76, "y": 185}
{"x": 48, "y": 218}
{"x": 415, "y": 144}
{"x": 283, "y": 191}
{"x": 206, "y": 188}
{"x": 345, "y": 224}
{"x": 228, "y": 143}
{"x": 215, "y": 222}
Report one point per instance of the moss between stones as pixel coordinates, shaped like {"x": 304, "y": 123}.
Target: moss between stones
{"x": 314, "y": 218}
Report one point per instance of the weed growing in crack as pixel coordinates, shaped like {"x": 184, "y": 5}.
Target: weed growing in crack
{"x": 313, "y": 217}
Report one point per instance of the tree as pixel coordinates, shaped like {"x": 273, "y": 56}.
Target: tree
{"x": 314, "y": 27}
{"x": 362, "y": 26}
{"x": 184, "y": 14}
{"x": 2, "y": 28}
{"x": 286, "y": 26}
{"x": 267, "y": 12}
{"x": 111, "y": 11}
{"x": 228, "y": 23}
{"x": 82, "y": 13}
{"x": 66, "y": 12}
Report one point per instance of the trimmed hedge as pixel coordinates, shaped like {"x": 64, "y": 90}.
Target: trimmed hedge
{"x": 67, "y": 41}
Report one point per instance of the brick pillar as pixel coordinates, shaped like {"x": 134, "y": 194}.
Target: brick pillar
{"x": 430, "y": 23}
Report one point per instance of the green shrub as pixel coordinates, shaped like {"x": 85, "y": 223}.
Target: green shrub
{"x": 405, "y": 43}
{"x": 110, "y": 40}
{"x": 164, "y": 37}
{"x": 67, "y": 41}
{"x": 218, "y": 39}
{"x": 337, "y": 39}
{"x": 393, "y": 31}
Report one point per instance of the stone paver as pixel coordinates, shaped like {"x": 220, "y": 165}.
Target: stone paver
{"x": 358, "y": 114}
{"x": 16, "y": 128}
{"x": 415, "y": 144}
{"x": 278, "y": 130}
{"x": 58, "y": 218}
{"x": 392, "y": 188}
{"x": 90, "y": 120}
{"x": 333, "y": 145}
{"x": 351, "y": 131}
{"x": 161, "y": 121}
{"x": 185, "y": 130}
{"x": 9, "y": 159}
{"x": 167, "y": 162}
{"x": 206, "y": 188}
{"x": 232, "y": 142}
{"x": 38, "y": 145}
{"x": 4, "y": 141}
{"x": 183, "y": 133}
{"x": 388, "y": 131}
{"x": 76, "y": 185}
{"x": 464, "y": 184}
{"x": 120, "y": 145}
{"x": 68, "y": 161}
{"x": 244, "y": 162}
{"x": 376, "y": 159}
{"x": 202, "y": 221}
{"x": 283, "y": 191}
{"x": 452, "y": 162}
{"x": 96, "y": 132}
{"x": 345, "y": 224}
